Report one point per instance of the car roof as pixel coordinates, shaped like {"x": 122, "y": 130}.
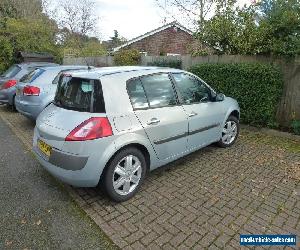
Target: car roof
{"x": 36, "y": 64}
{"x": 98, "y": 72}
{"x": 65, "y": 67}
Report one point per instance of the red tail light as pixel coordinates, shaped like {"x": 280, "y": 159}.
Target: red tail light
{"x": 31, "y": 90}
{"x": 93, "y": 128}
{"x": 9, "y": 84}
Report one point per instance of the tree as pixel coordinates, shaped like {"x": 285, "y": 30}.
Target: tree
{"x": 21, "y": 9}
{"x": 279, "y": 27}
{"x": 77, "y": 26}
{"x": 270, "y": 27}
{"x": 116, "y": 40}
{"x": 192, "y": 11}
{"x": 77, "y": 16}
{"x": 27, "y": 35}
{"x": 80, "y": 46}
{"x": 231, "y": 31}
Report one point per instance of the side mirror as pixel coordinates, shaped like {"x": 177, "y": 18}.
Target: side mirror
{"x": 220, "y": 97}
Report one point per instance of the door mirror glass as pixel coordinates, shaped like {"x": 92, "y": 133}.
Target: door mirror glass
{"x": 220, "y": 97}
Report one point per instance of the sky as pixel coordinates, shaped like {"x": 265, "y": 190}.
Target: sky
{"x": 132, "y": 18}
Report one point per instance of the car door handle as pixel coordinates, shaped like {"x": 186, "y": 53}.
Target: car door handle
{"x": 193, "y": 114}
{"x": 153, "y": 121}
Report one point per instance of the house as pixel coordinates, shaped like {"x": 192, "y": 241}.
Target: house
{"x": 170, "y": 39}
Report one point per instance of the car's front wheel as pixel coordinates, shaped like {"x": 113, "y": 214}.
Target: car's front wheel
{"x": 230, "y": 132}
{"x": 125, "y": 174}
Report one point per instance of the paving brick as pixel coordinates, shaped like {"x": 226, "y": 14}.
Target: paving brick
{"x": 200, "y": 201}
{"x": 134, "y": 236}
{"x": 207, "y": 240}
{"x": 222, "y": 240}
{"x": 178, "y": 239}
{"x": 148, "y": 238}
{"x": 137, "y": 245}
{"x": 164, "y": 238}
{"x": 192, "y": 239}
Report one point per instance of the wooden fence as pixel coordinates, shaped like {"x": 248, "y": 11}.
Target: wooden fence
{"x": 289, "y": 105}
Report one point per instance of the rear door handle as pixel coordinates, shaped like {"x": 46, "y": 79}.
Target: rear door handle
{"x": 153, "y": 121}
{"x": 193, "y": 114}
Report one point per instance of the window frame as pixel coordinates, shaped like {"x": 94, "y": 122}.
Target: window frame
{"x": 95, "y": 82}
{"x": 182, "y": 102}
{"x": 153, "y": 74}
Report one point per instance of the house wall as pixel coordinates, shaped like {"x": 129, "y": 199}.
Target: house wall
{"x": 171, "y": 40}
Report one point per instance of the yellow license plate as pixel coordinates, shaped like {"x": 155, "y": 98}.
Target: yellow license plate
{"x": 18, "y": 92}
{"x": 45, "y": 148}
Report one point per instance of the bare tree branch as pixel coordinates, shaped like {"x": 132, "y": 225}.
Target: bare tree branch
{"x": 75, "y": 15}
{"x": 194, "y": 11}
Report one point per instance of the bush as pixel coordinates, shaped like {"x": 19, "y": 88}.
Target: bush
{"x": 257, "y": 87}
{"x": 296, "y": 127}
{"x": 127, "y": 57}
{"x": 176, "y": 64}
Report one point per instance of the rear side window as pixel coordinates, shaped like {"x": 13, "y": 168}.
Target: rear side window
{"x": 32, "y": 75}
{"x": 79, "y": 94}
{"x": 12, "y": 71}
{"x": 137, "y": 94}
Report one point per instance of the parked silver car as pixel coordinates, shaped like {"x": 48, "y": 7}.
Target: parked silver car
{"x": 36, "y": 90}
{"x": 113, "y": 125}
{"x": 9, "y": 79}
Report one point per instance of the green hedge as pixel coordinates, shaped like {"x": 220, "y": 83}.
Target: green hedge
{"x": 257, "y": 87}
{"x": 127, "y": 57}
{"x": 176, "y": 64}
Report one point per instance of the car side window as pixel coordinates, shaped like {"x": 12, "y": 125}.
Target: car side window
{"x": 191, "y": 89}
{"x": 137, "y": 94}
{"x": 159, "y": 90}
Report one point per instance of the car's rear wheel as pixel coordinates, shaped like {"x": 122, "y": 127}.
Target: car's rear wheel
{"x": 13, "y": 106}
{"x": 230, "y": 132}
{"x": 125, "y": 174}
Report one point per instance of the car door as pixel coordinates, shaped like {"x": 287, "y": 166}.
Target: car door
{"x": 204, "y": 115}
{"x": 156, "y": 106}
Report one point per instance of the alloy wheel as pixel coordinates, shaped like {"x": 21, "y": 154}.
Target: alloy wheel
{"x": 127, "y": 175}
{"x": 229, "y": 132}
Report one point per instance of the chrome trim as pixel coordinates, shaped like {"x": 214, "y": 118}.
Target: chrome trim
{"x": 204, "y": 129}
{"x": 157, "y": 142}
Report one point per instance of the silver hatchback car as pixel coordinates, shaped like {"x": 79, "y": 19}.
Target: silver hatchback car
{"x": 36, "y": 90}
{"x": 112, "y": 125}
{"x": 10, "y": 78}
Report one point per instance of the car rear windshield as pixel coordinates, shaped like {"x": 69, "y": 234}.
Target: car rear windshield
{"x": 79, "y": 94}
{"x": 32, "y": 75}
{"x": 12, "y": 71}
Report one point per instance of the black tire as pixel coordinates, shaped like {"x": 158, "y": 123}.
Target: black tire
{"x": 221, "y": 143}
{"x": 13, "y": 106}
{"x": 109, "y": 174}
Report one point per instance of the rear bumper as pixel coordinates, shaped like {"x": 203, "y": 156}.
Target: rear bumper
{"x": 30, "y": 111}
{"x": 7, "y": 95}
{"x": 75, "y": 170}
{"x": 77, "y": 178}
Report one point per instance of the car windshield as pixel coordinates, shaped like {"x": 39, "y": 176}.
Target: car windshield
{"x": 79, "y": 94}
{"x": 12, "y": 71}
{"x": 32, "y": 75}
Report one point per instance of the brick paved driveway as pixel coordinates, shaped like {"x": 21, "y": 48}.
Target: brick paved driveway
{"x": 204, "y": 200}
